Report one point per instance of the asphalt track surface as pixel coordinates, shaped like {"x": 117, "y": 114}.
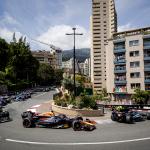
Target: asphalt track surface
{"x": 107, "y": 136}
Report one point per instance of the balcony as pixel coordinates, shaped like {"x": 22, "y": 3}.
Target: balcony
{"x": 147, "y": 79}
{"x": 120, "y": 82}
{"x": 120, "y": 89}
{"x": 119, "y": 40}
{"x": 146, "y": 45}
{"x": 147, "y": 68}
{"x": 147, "y": 86}
{"x": 146, "y": 36}
{"x": 120, "y": 70}
{"x": 120, "y": 62}
{"x": 119, "y": 49}
{"x": 146, "y": 56}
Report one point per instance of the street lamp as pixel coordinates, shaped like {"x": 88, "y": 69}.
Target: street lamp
{"x": 74, "y": 56}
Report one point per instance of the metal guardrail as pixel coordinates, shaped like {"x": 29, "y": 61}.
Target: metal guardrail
{"x": 136, "y": 106}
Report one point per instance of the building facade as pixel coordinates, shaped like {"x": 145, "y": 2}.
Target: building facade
{"x": 103, "y": 25}
{"x": 87, "y": 67}
{"x": 58, "y": 57}
{"x": 69, "y": 65}
{"x": 53, "y": 57}
{"x": 128, "y": 63}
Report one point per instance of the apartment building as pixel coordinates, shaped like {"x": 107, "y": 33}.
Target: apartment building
{"x": 58, "y": 57}
{"x": 69, "y": 64}
{"x": 128, "y": 63}
{"x": 103, "y": 25}
{"x": 53, "y": 58}
{"x": 87, "y": 67}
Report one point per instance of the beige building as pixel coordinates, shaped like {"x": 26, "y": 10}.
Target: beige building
{"x": 103, "y": 25}
{"x": 128, "y": 63}
{"x": 52, "y": 57}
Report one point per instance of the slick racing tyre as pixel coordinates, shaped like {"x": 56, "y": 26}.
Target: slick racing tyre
{"x": 113, "y": 118}
{"x": 79, "y": 118}
{"x": 76, "y": 125}
{"x": 148, "y": 116}
{"x": 129, "y": 119}
{"x": 27, "y": 123}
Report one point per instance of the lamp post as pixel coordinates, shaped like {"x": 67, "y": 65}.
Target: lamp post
{"x": 74, "y": 57}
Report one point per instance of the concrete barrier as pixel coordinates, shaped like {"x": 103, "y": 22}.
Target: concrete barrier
{"x": 77, "y": 112}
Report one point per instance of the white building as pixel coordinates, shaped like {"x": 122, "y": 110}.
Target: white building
{"x": 87, "y": 67}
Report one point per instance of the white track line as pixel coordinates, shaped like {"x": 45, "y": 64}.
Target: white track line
{"x": 67, "y": 144}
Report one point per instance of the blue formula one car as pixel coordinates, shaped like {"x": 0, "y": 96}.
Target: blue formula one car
{"x": 126, "y": 116}
{"x": 60, "y": 121}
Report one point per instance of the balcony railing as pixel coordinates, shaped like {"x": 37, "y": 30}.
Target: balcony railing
{"x": 119, "y": 50}
{"x": 147, "y": 79}
{"x": 146, "y": 56}
{"x": 146, "y": 36}
{"x": 119, "y": 40}
{"x": 122, "y": 89}
{"x": 146, "y": 45}
{"x": 147, "y": 68}
{"x": 120, "y": 82}
{"x": 120, "y": 70}
{"x": 120, "y": 61}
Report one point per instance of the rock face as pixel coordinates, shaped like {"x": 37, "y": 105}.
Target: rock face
{"x": 81, "y": 54}
{"x": 77, "y": 112}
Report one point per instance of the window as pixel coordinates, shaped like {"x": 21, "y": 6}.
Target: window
{"x": 135, "y": 75}
{"x": 134, "y": 64}
{"x": 135, "y": 85}
{"x": 134, "y": 53}
{"x": 134, "y": 43}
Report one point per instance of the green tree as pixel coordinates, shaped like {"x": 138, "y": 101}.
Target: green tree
{"x": 80, "y": 79}
{"x": 140, "y": 96}
{"x": 2, "y": 77}
{"x": 3, "y": 54}
{"x": 58, "y": 76}
{"x": 45, "y": 74}
{"x": 21, "y": 60}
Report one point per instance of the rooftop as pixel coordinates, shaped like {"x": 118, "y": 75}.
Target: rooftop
{"x": 139, "y": 31}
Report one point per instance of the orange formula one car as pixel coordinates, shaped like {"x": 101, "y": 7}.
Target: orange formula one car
{"x": 50, "y": 120}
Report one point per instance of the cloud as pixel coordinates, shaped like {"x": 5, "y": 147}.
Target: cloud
{"x": 8, "y": 34}
{"x": 8, "y": 19}
{"x": 125, "y": 27}
{"x": 56, "y": 35}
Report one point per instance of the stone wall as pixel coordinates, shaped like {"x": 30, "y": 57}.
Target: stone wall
{"x": 77, "y": 112}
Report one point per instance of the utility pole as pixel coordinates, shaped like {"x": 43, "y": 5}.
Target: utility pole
{"x": 74, "y": 57}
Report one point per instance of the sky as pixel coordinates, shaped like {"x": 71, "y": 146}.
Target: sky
{"x": 49, "y": 20}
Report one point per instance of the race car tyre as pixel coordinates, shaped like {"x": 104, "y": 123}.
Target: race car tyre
{"x": 27, "y": 123}
{"x": 27, "y": 114}
{"x": 129, "y": 119}
{"x": 113, "y": 118}
{"x": 76, "y": 125}
{"x": 148, "y": 116}
{"x": 79, "y": 118}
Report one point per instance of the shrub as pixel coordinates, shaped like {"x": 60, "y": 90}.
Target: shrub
{"x": 86, "y": 102}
